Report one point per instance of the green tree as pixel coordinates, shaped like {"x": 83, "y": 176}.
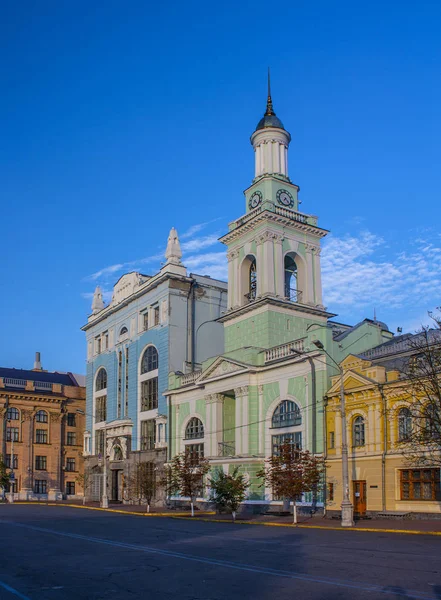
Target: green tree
{"x": 185, "y": 474}
{"x": 291, "y": 473}
{"x": 228, "y": 490}
{"x": 142, "y": 484}
{"x": 4, "y": 476}
{"x": 83, "y": 480}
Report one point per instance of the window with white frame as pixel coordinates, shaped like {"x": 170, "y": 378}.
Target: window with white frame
{"x": 148, "y": 434}
{"x": 194, "y": 429}
{"x": 358, "y": 438}
{"x": 287, "y": 414}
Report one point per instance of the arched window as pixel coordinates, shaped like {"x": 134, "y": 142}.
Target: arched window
{"x": 101, "y": 380}
{"x": 358, "y": 432}
{"x": 149, "y": 360}
{"x": 41, "y": 416}
{"x": 12, "y": 414}
{"x": 431, "y": 423}
{"x": 287, "y": 414}
{"x": 291, "y": 291}
{"x": 252, "y": 281}
{"x": 404, "y": 424}
{"x": 124, "y": 331}
{"x": 194, "y": 429}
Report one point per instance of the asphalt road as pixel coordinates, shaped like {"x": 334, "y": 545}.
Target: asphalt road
{"x": 56, "y": 553}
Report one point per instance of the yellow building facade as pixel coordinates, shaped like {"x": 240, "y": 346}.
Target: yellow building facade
{"x": 378, "y": 417}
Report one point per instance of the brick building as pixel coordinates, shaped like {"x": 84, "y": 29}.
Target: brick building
{"x": 41, "y": 431}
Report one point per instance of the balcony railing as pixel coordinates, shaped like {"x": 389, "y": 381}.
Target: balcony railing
{"x": 20, "y": 383}
{"x": 190, "y": 377}
{"x": 293, "y": 294}
{"x": 226, "y": 449}
{"x": 284, "y": 350}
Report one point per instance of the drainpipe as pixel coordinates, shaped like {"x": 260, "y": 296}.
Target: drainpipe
{"x": 383, "y": 455}
{"x": 325, "y": 453}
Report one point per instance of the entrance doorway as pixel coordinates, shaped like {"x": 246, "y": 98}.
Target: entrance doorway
{"x": 117, "y": 488}
{"x": 359, "y": 488}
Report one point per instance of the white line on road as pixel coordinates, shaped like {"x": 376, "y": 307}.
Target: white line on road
{"x": 13, "y": 591}
{"x": 361, "y": 586}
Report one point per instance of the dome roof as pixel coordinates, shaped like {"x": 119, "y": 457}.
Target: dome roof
{"x": 269, "y": 120}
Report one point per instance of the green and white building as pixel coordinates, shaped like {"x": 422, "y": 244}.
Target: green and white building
{"x": 268, "y": 386}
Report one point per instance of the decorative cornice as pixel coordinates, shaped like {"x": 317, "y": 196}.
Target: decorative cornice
{"x": 241, "y": 391}
{"x": 55, "y": 417}
{"x": 213, "y": 398}
{"x": 232, "y": 254}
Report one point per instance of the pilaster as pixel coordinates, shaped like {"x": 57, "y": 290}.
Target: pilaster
{"x": 242, "y": 427}
{"x": 309, "y": 292}
{"x": 318, "y": 276}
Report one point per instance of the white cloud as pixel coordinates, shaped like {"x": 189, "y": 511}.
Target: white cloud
{"x": 200, "y": 243}
{"x": 196, "y": 229}
{"x": 354, "y": 276}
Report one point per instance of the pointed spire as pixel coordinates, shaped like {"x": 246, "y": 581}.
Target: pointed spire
{"x": 97, "y": 302}
{"x": 173, "y": 253}
{"x": 375, "y": 315}
{"x": 269, "y": 102}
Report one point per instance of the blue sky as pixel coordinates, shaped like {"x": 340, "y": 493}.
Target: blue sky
{"x": 119, "y": 120}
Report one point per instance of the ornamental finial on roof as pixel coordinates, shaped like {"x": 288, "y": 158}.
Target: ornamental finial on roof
{"x": 269, "y": 102}
{"x": 97, "y": 302}
{"x": 173, "y": 253}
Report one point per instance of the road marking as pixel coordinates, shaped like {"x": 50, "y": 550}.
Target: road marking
{"x": 13, "y": 591}
{"x": 366, "y": 587}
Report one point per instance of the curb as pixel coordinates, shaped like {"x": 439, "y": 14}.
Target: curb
{"x": 323, "y": 527}
{"x": 114, "y": 510}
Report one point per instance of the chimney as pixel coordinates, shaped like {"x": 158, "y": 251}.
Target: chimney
{"x": 37, "y": 362}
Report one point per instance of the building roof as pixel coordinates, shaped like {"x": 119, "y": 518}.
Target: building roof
{"x": 29, "y": 375}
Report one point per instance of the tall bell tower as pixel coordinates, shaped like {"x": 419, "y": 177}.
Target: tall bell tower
{"x": 274, "y": 271}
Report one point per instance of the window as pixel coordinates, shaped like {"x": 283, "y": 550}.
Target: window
{"x": 149, "y": 394}
{"x": 156, "y": 315}
{"x": 98, "y": 344}
{"x": 253, "y": 280}
{"x": 149, "y": 360}
{"x": 8, "y": 461}
{"x": 40, "y": 486}
{"x": 71, "y": 421}
{"x": 70, "y": 464}
{"x": 70, "y": 488}
{"x": 287, "y": 414}
{"x": 148, "y": 434}
{"x": 331, "y": 440}
{"x": 430, "y": 424}
{"x": 12, "y": 434}
{"x": 330, "y": 492}
{"x": 290, "y": 439}
{"x": 100, "y": 409}
{"x": 12, "y": 414}
{"x": 420, "y": 484}
{"x": 41, "y": 416}
{"x": 41, "y": 436}
{"x": 291, "y": 291}
{"x": 101, "y": 380}
{"x": 404, "y": 424}
{"x": 106, "y": 340}
{"x": 123, "y": 333}
{"x": 196, "y": 450}
{"x": 194, "y": 429}
{"x": 145, "y": 320}
{"x": 71, "y": 439}
{"x": 358, "y": 432}
{"x": 99, "y": 441}
{"x": 41, "y": 463}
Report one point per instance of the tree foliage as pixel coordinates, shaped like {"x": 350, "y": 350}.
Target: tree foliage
{"x": 185, "y": 476}
{"x": 228, "y": 490}
{"x": 141, "y": 485}
{"x": 4, "y": 476}
{"x": 291, "y": 473}
{"x": 421, "y": 374}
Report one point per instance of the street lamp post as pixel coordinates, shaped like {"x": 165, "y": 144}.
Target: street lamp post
{"x": 347, "y": 513}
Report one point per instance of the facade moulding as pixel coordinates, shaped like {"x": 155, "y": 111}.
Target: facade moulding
{"x": 274, "y": 301}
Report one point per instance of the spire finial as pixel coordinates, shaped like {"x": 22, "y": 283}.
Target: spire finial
{"x": 173, "y": 253}
{"x": 269, "y": 102}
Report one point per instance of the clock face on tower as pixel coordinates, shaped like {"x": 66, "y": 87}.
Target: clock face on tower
{"x": 255, "y": 200}
{"x": 284, "y": 198}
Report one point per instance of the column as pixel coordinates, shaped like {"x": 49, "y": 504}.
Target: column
{"x": 256, "y": 161}
{"x": 56, "y": 458}
{"x": 236, "y": 283}
{"x": 260, "y": 266}
{"x": 231, "y": 282}
{"x": 337, "y": 429}
{"x": 266, "y": 274}
{"x": 238, "y": 424}
{"x": 27, "y": 456}
{"x": 308, "y": 292}
{"x": 245, "y": 421}
{"x": 371, "y": 427}
{"x": 318, "y": 277}
{"x": 279, "y": 270}
{"x": 286, "y": 160}
{"x": 261, "y": 420}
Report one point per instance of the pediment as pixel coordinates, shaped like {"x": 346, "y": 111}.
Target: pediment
{"x": 222, "y": 366}
{"x": 351, "y": 381}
